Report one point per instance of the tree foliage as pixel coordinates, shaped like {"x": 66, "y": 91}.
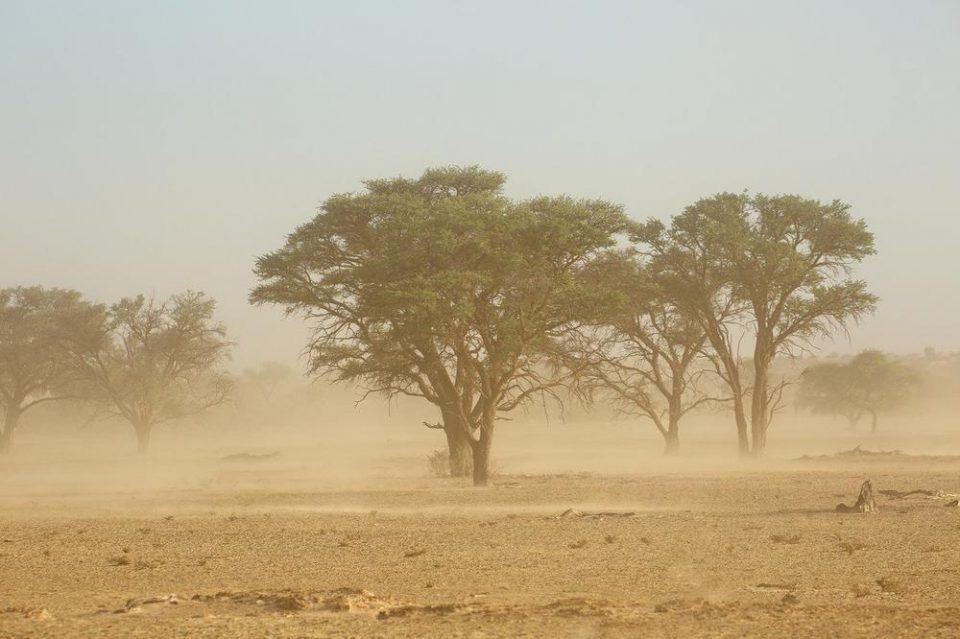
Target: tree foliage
{"x": 34, "y": 367}
{"x": 769, "y": 268}
{"x": 442, "y": 288}
{"x": 641, "y": 351}
{"x": 868, "y": 384}
{"x": 153, "y": 362}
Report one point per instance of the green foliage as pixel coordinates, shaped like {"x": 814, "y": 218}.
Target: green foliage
{"x": 774, "y": 267}
{"x": 441, "y": 288}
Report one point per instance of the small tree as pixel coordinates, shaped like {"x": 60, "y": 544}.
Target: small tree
{"x": 642, "y": 350}
{"x": 267, "y": 377}
{"x": 34, "y": 366}
{"x": 154, "y": 362}
{"x": 868, "y": 384}
{"x": 773, "y": 269}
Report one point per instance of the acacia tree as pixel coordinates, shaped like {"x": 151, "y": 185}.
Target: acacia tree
{"x": 773, "y": 269}
{"x": 153, "y": 362}
{"x": 442, "y": 288}
{"x": 34, "y": 366}
{"x": 329, "y": 268}
{"x": 642, "y": 350}
{"x": 868, "y": 384}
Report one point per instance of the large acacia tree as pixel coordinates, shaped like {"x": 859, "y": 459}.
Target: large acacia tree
{"x": 155, "y": 361}
{"x": 771, "y": 270}
{"x": 442, "y": 288}
{"x": 34, "y": 365}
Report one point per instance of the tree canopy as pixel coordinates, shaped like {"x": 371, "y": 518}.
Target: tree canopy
{"x": 153, "y": 361}
{"x": 772, "y": 268}
{"x": 442, "y": 288}
{"x": 870, "y": 383}
{"x": 34, "y": 367}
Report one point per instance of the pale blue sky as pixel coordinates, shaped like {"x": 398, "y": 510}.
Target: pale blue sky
{"x": 149, "y": 146}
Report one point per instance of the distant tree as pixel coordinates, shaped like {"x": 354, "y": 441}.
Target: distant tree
{"x": 442, "y": 288}
{"x": 34, "y": 366}
{"x": 267, "y": 377}
{"x": 641, "y": 351}
{"x": 868, "y": 384}
{"x": 768, "y": 268}
{"x": 154, "y": 362}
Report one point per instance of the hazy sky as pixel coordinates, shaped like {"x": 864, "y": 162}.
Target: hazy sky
{"x": 153, "y": 147}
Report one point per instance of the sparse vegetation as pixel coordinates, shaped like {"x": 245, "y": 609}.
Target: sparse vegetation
{"x": 152, "y": 362}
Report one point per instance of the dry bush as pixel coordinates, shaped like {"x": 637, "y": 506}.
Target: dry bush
{"x": 851, "y": 547}
{"x": 439, "y": 463}
{"x": 861, "y": 590}
{"x": 891, "y": 585}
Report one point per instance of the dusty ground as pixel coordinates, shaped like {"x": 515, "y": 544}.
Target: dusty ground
{"x": 250, "y": 552}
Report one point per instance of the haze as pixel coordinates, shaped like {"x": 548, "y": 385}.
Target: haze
{"x": 161, "y": 147}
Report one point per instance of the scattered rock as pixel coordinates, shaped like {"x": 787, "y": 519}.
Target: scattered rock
{"x": 678, "y": 604}
{"x": 570, "y": 513}
{"x": 39, "y": 614}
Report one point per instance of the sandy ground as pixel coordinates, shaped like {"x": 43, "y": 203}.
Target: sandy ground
{"x": 254, "y": 549}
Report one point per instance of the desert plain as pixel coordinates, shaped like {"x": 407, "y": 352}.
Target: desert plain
{"x": 591, "y": 538}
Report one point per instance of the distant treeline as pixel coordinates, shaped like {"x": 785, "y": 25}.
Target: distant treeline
{"x": 443, "y": 289}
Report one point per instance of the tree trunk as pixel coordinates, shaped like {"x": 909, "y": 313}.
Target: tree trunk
{"x": 481, "y": 453}
{"x": 143, "y": 437}
{"x": 11, "y": 418}
{"x": 672, "y": 436}
{"x": 759, "y": 408}
{"x": 672, "y": 446}
{"x": 743, "y": 441}
{"x": 458, "y": 446}
{"x": 853, "y": 419}
{"x": 873, "y": 422}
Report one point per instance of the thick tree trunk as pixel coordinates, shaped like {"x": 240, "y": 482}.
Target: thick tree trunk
{"x": 758, "y": 409}
{"x": 743, "y": 441}
{"x": 672, "y": 446}
{"x": 481, "y": 453}
{"x": 143, "y": 437}
{"x": 11, "y": 417}
{"x": 852, "y": 419}
{"x": 458, "y": 446}
{"x": 672, "y": 436}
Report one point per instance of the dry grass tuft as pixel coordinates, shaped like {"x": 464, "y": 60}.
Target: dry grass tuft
{"x": 851, "y": 547}
{"x": 891, "y": 585}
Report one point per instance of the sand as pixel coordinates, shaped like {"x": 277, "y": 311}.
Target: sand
{"x": 252, "y": 551}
